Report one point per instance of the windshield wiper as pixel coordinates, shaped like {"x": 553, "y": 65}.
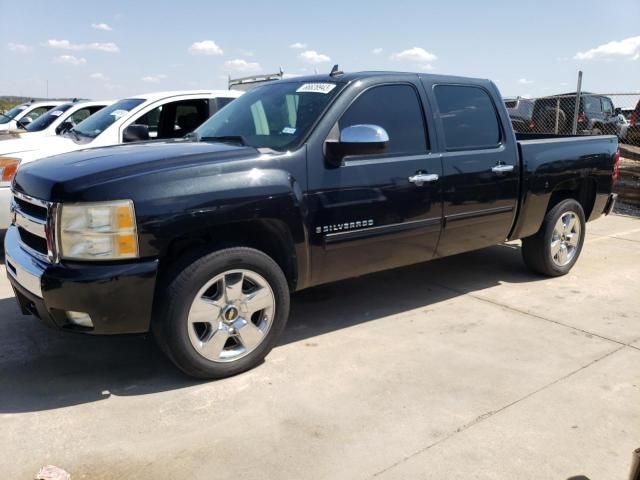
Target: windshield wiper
{"x": 226, "y": 139}
{"x": 6, "y": 116}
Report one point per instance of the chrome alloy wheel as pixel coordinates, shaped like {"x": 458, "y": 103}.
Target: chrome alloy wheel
{"x": 565, "y": 239}
{"x": 231, "y": 315}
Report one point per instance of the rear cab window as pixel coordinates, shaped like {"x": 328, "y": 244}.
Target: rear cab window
{"x": 468, "y": 116}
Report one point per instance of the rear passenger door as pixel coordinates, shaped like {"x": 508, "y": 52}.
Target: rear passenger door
{"x": 366, "y": 214}
{"x": 481, "y": 171}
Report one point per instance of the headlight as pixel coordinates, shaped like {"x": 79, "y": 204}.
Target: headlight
{"x": 8, "y": 168}
{"x": 98, "y": 231}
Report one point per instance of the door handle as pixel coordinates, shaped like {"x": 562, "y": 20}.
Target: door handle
{"x": 502, "y": 168}
{"x": 421, "y": 178}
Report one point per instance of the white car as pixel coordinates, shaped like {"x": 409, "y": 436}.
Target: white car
{"x": 56, "y": 121}
{"x": 162, "y": 115}
{"x": 24, "y": 113}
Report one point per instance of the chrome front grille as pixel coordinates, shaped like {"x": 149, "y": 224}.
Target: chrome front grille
{"x": 36, "y": 223}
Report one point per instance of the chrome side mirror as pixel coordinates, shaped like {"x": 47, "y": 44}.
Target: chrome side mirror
{"x": 357, "y": 140}
{"x": 364, "y": 134}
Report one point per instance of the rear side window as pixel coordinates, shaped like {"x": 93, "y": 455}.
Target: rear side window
{"x": 592, "y": 105}
{"x": 468, "y": 117}
{"x": 396, "y": 108}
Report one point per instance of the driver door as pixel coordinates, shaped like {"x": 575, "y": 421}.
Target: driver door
{"x": 368, "y": 214}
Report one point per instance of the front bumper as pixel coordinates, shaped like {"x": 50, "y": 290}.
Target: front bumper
{"x": 118, "y": 297}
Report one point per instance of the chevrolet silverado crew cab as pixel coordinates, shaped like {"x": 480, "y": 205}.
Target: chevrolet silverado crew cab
{"x": 297, "y": 183}
{"x": 160, "y": 115}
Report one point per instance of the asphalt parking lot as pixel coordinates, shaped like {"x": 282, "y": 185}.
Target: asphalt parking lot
{"x": 465, "y": 367}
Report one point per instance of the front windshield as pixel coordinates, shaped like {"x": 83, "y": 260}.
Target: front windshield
{"x": 101, "y": 120}
{"x": 43, "y": 121}
{"x": 6, "y": 117}
{"x": 276, "y": 116}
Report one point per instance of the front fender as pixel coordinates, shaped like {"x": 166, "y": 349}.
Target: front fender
{"x": 211, "y": 206}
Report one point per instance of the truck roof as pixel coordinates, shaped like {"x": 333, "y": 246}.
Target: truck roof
{"x": 176, "y": 93}
{"x": 354, "y": 76}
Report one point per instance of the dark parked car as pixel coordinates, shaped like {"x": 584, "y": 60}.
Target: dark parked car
{"x": 520, "y": 111}
{"x": 633, "y": 129}
{"x": 296, "y": 183}
{"x": 596, "y": 116}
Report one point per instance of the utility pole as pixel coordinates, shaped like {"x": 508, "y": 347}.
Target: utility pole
{"x": 576, "y": 112}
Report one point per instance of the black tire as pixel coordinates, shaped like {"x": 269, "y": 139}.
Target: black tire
{"x": 596, "y": 131}
{"x": 536, "y": 250}
{"x": 170, "y": 328}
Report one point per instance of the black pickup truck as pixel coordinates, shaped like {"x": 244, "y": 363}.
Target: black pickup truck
{"x": 296, "y": 183}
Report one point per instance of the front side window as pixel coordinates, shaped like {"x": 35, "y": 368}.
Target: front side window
{"x": 397, "y": 109}
{"x": 37, "y": 112}
{"x": 48, "y": 118}
{"x": 277, "y": 115}
{"x": 6, "y": 117}
{"x": 469, "y": 118}
{"x": 99, "y": 122}
{"x": 184, "y": 117}
{"x": 80, "y": 115}
{"x": 151, "y": 120}
{"x": 607, "y": 106}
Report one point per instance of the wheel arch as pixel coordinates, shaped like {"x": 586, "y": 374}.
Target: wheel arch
{"x": 583, "y": 190}
{"x": 271, "y": 236}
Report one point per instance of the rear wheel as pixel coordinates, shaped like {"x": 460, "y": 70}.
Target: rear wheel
{"x": 555, "y": 249}
{"x": 223, "y": 312}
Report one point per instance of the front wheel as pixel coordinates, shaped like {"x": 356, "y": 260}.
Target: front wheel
{"x": 555, "y": 249}
{"x": 222, "y": 312}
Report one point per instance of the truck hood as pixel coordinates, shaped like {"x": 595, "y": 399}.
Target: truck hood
{"x": 53, "y": 177}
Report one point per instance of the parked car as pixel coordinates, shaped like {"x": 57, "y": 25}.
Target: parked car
{"x": 520, "y": 111}
{"x": 633, "y": 130}
{"x": 162, "y": 115}
{"x": 596, "y": 115}
{"x": 297, "y": 183}
{"x": 21, "y": 115}
{"x": 56, "y": 121}
{"x": 622, "y": 127}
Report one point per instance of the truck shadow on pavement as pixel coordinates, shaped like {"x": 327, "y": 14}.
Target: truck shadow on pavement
{"x": 42, "y": 369}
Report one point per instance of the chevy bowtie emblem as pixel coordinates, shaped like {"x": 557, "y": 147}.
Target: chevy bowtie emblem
{"x": 230, "y": 313}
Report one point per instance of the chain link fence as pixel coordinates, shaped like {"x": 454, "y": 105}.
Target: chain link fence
{"x": 586, "y": 113}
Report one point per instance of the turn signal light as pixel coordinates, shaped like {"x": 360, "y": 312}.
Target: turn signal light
{"x": 8, "y": 168}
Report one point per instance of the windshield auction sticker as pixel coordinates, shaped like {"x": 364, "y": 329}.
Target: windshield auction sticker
{"x": 118, "y": 114}
{"x": 316, "y": 88}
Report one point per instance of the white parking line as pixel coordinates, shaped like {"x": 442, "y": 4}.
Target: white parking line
{"x": 614, "y": 235}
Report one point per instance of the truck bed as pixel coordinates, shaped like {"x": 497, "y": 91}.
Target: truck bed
{"x": 555, "y": 163}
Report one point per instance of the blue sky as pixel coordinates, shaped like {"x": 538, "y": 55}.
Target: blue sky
{"x": 112, "y": 49}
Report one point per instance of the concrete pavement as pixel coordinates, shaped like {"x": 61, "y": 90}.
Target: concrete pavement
{"x": 465, "y": 367}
